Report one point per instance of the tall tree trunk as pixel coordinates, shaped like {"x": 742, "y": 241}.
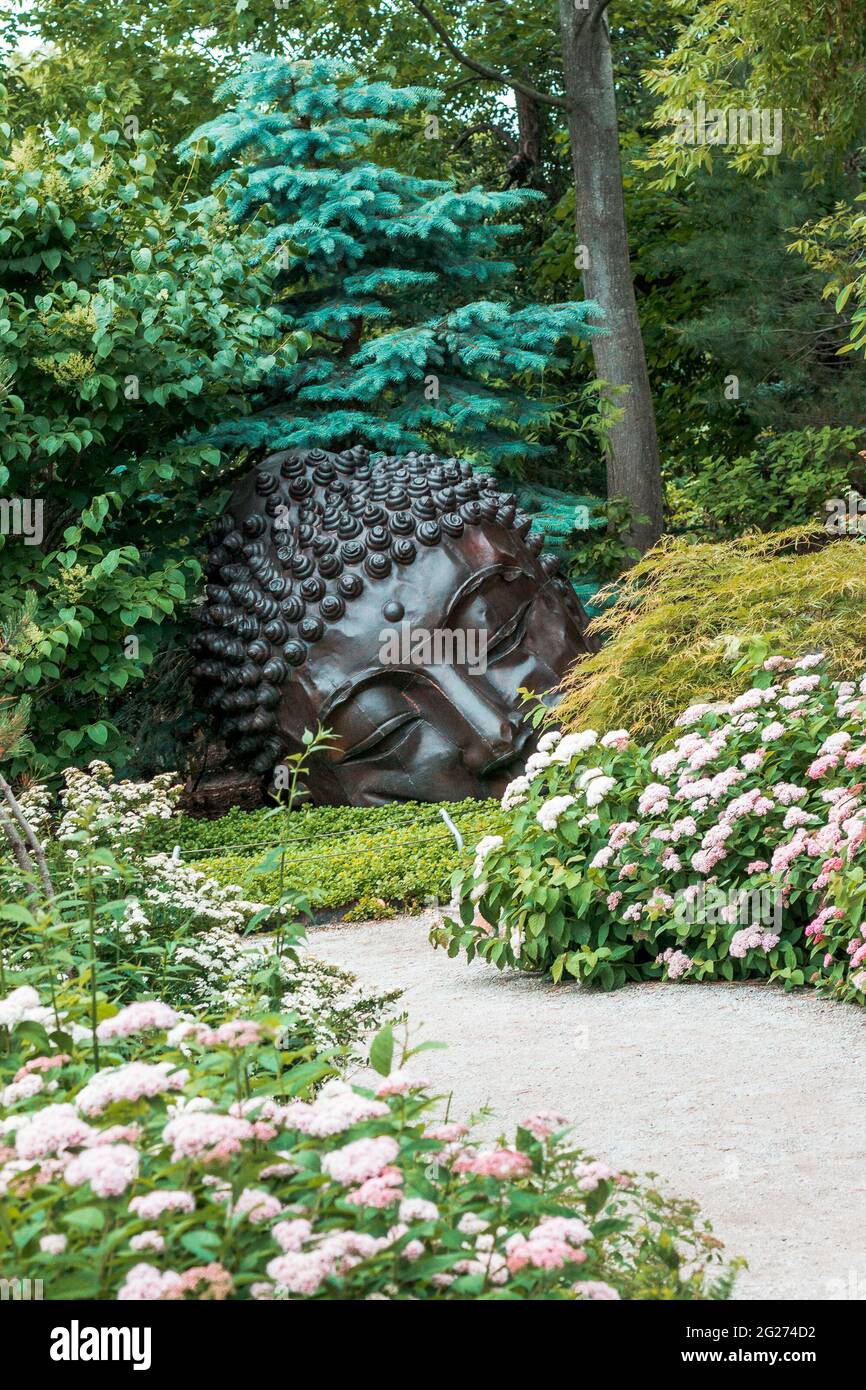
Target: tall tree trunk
{"x": 529, "y": 127}
{"x": 633, "y": 467}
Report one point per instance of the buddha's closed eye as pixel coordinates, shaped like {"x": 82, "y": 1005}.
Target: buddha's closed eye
{"x": 510, "y": 634}
{"x": 384, "y": 741}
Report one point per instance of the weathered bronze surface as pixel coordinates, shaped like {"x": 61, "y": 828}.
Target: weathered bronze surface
{"x": 330, "y": 578}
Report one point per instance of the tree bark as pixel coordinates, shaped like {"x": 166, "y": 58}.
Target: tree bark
{"x": 34, "y": 847}
{"x": 633, "y": 465}
{"x": 529, "y": 126}
{"x": 22, "y": 858}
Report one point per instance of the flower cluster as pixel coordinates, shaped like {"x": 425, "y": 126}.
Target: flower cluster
{"x": 116, "y": 813}
{"x": 731, "y": 848}
{"x": 219, "y": 1182}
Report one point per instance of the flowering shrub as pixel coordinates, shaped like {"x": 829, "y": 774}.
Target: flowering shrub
{"x": 368, "y": 859}
{"x": 732, "y": 850}
{"x": 194, "y": 1164}
{"x": 220, "y": 971}
{"x": 117, "y": 812}
{"x": 163, "y": 895}
{"x": 150, "y": 923}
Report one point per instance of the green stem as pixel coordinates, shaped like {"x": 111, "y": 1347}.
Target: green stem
{"x": 91, "y": 934}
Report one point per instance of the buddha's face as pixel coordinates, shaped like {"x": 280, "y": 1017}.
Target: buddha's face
{"x": 399, "y": 606}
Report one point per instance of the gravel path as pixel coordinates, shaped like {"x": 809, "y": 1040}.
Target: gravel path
{"x": 747, "y": 1099}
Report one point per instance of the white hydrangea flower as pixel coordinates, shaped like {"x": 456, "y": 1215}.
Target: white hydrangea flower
{"x": 572, "y": 744}
{"x": 548, "y": 815}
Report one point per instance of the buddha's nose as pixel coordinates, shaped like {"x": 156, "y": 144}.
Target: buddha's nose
{"x": 495, "y": 742}
{"x": 491, "y": 729}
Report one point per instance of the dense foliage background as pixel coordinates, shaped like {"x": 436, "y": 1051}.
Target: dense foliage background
{"x": 157, "y": 318}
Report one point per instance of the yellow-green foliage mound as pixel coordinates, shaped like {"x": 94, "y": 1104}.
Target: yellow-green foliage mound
{"x": 685, "y": 614}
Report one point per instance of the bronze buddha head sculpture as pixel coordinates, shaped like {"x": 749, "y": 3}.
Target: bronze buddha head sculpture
{"x": 401, "y": 604}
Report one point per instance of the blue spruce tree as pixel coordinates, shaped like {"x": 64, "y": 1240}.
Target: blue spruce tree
{"x": 381, "y": 270}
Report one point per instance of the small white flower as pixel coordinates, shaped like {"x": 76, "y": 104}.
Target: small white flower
{"x": 573, "y": 744}
{"x": 548, "y": 815}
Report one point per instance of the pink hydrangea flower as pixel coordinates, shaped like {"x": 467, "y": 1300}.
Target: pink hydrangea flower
{"x": 51, "y": 1130}
{"x": 25, "y": 1089}
{"x": 380, "y": 1191}
{"x": 617, "y": 739}
{"x": 801, "y": 685}
{"x": 821, "y": 766}
{"x": 257, "y": 1206}
{"x": 568, "y": 1228}
{"x": 541, "y": 1252}
{"x": 153, "y": 1204}
{"x": 418, "y": 1209}
{"x": 505, "y": 1164}
{"x": 109, "y": 1170}
{"x": 620, "y": 832}
{"x": 400, "y": 1083}
{"x": 130, "y": 1082}
{"x": 237, "y": 1033}
{"x": 595, "y": 1289}
{"x": 145, "y": 1283}
{"x": 543, "y": 1123}
{"x": 41, "y": 1064}
{"x": 653, "y": 799}
{"x": 147, "y": 1240}
{"x": 291, "y": 1236}
{"x": 772, "y": 732}
{"x": 752, "y": 939}
{"x": 360, "y": 1160}
{"x": 206, "y": 1135}
{"x": 677, "y": 962}
{"x": 446, "y": 1133}
{"x": 752, "y": 761}
{"x": 211, "y": 1281}
{"x": 590, "y": 1174}
{"x": 334, "y": 1110}
{"x": 413, "y": 1249}
{"x": 53, "y": 1245}
{"x": 299, "y": 1273}
{"x": 118, "y": 1134}
{"x": 139, "y": 1017}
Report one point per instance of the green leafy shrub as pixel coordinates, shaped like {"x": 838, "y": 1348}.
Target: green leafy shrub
{"x": 310, "y": 825}
{"x": 603, "y": 554}
{"x": 130, "y": 322}
{"x": 785, "y": 481}
{"x": 367, "y": 871}
{"x": 370, "y": 859}
{"x": 194, "y": 1165}
{"x": 683, "y": 616}
{"x": 734, "y": 853}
